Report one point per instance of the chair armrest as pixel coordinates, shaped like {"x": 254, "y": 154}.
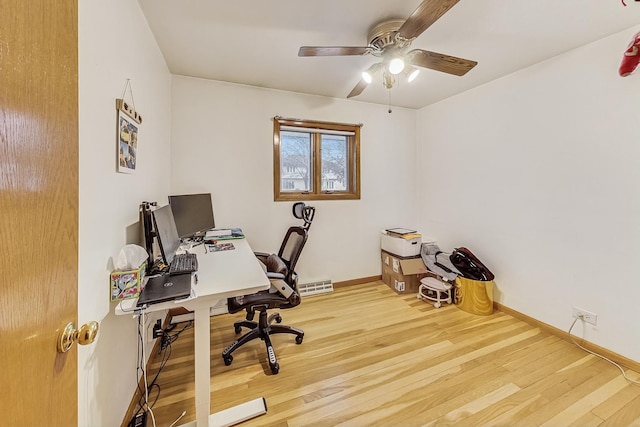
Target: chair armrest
{"x": 283, "y": 288}
{"x": 275, "y": 276}
{"x": 262, "y": 257}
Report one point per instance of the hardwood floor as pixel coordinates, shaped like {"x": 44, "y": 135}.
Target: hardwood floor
{"x": 373, "y": 358}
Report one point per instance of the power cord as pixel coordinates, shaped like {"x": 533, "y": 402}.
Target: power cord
{"x": 624, "y": 374}
{"x": 179, "y": 418}
{"x": 144, "y": 406}
{"x": 166, "y": 354}
{"x": 168, "y": 338}
{"x": 166, "y": 349}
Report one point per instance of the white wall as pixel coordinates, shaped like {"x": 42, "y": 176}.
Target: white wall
{"x": 222, "y": 142}
{"x": 538, "y": 173}
{"x": 115, "y": 43}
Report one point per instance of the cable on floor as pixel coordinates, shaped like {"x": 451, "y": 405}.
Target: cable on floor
{"x": 179, "y": 418}
{"x": 624, "y": 374}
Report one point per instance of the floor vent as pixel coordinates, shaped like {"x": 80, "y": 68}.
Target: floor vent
{"x": 315, "y": 288}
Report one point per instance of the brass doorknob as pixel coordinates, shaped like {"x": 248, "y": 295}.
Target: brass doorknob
{"x": 85, "y": 335}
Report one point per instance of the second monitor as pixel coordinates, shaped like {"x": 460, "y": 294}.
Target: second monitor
{"x": 193, "y": 213}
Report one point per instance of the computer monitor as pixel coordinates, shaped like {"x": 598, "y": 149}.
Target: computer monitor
{"x": 193, "y": 213}
{"x": 166, "y": 233}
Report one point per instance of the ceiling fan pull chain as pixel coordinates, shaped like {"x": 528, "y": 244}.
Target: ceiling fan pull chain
{"x": 390, "y": 110}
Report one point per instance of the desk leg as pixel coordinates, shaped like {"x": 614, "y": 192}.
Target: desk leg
{"x": 202, "y": 355}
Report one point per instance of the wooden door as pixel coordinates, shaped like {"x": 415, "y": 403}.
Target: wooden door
{"x": 38, "y": 210}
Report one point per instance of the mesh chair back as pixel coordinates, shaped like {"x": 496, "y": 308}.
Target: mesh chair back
{"x": 291, "y": 247}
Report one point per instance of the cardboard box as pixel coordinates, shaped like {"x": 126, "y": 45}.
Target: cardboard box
{"x": 402, "y": 274}
{"x": 127, "y": 284}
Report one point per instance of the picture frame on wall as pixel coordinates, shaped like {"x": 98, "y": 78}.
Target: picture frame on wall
{"x": 127, "y": 137}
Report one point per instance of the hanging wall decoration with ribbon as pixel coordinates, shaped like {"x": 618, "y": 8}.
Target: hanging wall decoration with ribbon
{"x": 129, "y": 121}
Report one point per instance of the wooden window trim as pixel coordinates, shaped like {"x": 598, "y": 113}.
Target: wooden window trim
{"x": 316, "y": 193}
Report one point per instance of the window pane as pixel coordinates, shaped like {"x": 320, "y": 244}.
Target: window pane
{"x": 295, "y": 161}
{"x": 334, "y": 161}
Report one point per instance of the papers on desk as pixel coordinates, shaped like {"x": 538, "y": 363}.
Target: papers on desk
{"x": 219, "y": 247}
{"x": 224, "y": 234}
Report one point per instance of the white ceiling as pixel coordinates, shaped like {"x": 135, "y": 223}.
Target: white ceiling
{"x": 255, "y": 42}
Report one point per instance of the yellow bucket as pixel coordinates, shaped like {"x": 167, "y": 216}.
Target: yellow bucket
{"x": 474, "y": 296}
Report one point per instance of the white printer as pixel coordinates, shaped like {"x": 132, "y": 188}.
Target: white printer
{"x": 403, "y": 242}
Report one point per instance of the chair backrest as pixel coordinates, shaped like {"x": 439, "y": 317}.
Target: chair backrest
{"x": 291, "y": 249}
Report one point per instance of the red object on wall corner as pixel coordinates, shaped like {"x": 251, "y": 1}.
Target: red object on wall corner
{"x": 631, "y": 57}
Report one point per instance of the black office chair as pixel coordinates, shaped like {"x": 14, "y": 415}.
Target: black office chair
{"x": 280, "y": 268}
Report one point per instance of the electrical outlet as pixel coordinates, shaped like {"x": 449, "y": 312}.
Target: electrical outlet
{"x": 151, "y": 328}
{"x": 157, "y": 330}
{"x": 587, "y": 316}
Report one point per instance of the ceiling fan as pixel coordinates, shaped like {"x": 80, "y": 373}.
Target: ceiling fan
{"x": 390, "y": 40}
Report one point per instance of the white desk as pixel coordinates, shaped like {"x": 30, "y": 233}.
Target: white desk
{"x": 220, "y": 275}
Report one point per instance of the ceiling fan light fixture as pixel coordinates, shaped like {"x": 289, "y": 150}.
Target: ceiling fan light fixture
{"x": 367, "y": 75}
{"x": 412, "y": 73}
{"x": 396, "y": 65}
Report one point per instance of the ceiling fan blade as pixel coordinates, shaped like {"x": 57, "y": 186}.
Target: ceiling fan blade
{"x": 440, "y": 62}
{"x": 426, "y": 14}
{"x": 332, "y": 50}
{"x": 357, "y": 90}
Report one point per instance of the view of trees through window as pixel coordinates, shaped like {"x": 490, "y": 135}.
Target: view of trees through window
{"x": 295, "y": 163}
{"x": 333, "y": 157}
{"x": 316, "y": 160}
{"x": 297, "y": 166}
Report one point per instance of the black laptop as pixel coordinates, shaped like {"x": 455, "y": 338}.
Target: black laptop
{"x": 165, "y": 288}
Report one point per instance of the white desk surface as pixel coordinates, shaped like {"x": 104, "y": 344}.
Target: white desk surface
{"x": 220, "y": 275}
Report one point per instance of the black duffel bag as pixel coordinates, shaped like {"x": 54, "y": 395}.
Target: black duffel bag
{"x": 469, "y": 265}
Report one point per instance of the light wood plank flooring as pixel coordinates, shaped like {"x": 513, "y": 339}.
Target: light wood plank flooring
{"x": 373, "y": 358}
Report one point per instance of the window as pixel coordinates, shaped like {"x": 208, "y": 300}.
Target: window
{"x": 315, "y": 160}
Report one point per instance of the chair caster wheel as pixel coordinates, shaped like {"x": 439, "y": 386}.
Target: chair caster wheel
{"x": 275, "y": 317}
{"x": 299, "y": 339}
{"x": 227, "y": 360}
{"x": 437, "y": 305}
{"x": 238, "y": 329}
{"x": 275, "y": 369}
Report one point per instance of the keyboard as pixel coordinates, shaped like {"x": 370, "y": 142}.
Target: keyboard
{"x": 183, "y": 263}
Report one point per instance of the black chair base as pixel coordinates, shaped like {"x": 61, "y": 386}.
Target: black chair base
{"x": 261, "y": 329}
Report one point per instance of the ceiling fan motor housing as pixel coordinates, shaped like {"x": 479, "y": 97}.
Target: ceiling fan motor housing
{"x": 383, "y": 35}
